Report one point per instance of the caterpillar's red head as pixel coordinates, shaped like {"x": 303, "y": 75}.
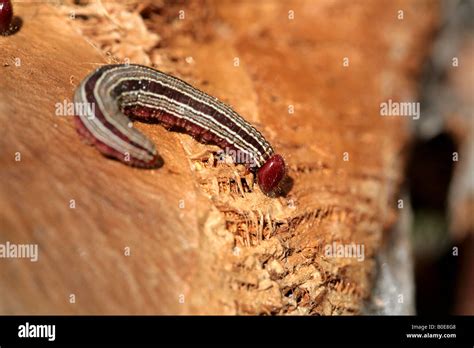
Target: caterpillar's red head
{"x": 271, "y": 173}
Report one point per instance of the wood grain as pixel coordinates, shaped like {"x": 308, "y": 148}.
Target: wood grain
{"x": 200, "y": 241}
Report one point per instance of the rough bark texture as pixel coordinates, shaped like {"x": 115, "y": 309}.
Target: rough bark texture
{"x": 201, "y": 238}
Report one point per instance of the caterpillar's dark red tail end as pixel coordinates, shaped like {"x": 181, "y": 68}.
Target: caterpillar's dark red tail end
{"x": 271, "y": 173}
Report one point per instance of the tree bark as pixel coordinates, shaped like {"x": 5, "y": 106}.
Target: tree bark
{"x": 195, "y": 236}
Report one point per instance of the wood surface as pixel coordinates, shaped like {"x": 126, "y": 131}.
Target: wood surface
{"x": 202, "y": 239}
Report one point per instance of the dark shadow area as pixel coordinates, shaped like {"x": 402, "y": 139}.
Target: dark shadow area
{"x": 429, "y": 174}
{"x": 15, "y": 27}
{"x": 435, "y": 284}
{"x": 285, "y": 186}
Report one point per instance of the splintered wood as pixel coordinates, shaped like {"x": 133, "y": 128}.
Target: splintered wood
{"x": 201, "y": 237}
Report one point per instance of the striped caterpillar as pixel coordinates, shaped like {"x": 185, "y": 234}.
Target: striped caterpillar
{"x": 111, "y": 95}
